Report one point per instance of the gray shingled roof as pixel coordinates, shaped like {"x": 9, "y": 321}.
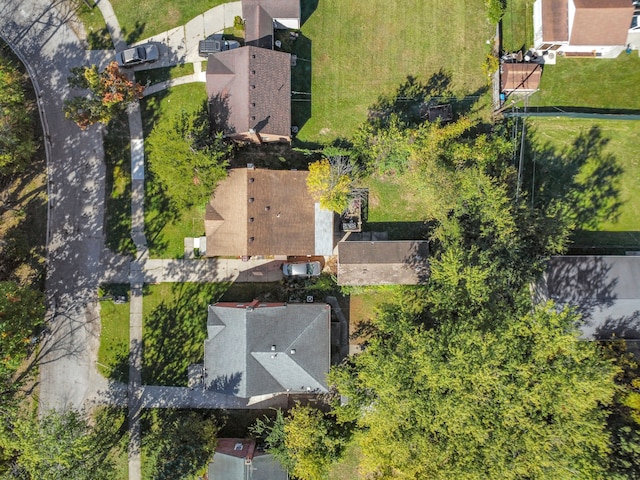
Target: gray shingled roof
{"x": 237, "y": 459}
{"x": 239, "y": 359}
{"x": 605, "y": 289}
{"x": 250, "y": 88}
{"x": 383, "y": 262}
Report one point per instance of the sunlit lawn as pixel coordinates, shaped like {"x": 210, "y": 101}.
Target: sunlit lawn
{"x": 517, "y": 25}
{"x": 347, "y": 467}
{"x": 595, "y": 83}
{"x": 140, "y": 19}
{"x": 623, "y": 136}
{"x": 113, "y": 355}
{"x": 360, "y": 50}
{"x": 164, "y": 228}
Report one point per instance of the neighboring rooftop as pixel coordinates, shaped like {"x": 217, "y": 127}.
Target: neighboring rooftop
{"x": 259, "y": 348}
{"x": 262, "y": 16}
{"x": 249, "y": 90}
{"x": 266, "y": 212}
{"x": 383, "y": 262}
{"x": 604, "y": 289}
{"x": 240, "y": 459}
{"x": 520, "y": 77}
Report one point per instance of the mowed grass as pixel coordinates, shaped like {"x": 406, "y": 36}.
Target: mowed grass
{"x": 623, "y": 144}
{"x": 165, "y": 228}
{"x": 592, "y": 83}
{"x": 360, "y": 50}
{"x": 174, "y": 329}
{"x": 140, "y": 19}
{"x": 517, "y": 25}
{"x": 113, "y": 354}
{"x": 347, "y": 467}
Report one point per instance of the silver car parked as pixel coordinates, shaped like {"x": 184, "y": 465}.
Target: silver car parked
{"x": 309, "y": 269}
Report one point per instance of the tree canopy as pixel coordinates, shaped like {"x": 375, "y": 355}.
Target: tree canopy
{"x": 186, "y": 158}
{"x": 17, "y": 140}
{"x": 110, "y": 93}
{"x": 330, "y": 182}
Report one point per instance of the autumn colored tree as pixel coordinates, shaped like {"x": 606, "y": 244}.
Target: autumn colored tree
{"x": 110, "y": 92}
{"x": 330, "y": 182}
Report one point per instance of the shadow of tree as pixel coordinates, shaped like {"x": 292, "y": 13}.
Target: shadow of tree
{"x": 175, "y": 331}
{"x": 228, "y": 384}
{"x": 584, "y": 176}
{"x": 135, "y": 34}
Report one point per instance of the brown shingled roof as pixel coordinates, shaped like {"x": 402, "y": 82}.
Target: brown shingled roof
{"x": 259, "y": 16}
{"x": 520, "y": 77}
{"x": 555, "y": 20}
{"x": 261, "y": 212}
{"x": 250, "y": 88}
{"x": 601, "y": 22}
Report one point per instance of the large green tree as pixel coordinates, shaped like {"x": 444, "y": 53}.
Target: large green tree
{"x": 522, "y": 399}
{"x": 187, "y": 158}
{"x": 17, "y": 140}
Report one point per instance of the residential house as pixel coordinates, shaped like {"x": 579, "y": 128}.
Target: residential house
{"x": 241, "y": 459}
{"x": 375, "y": 262}
{"x": 249, "y": 90}
{"x": 259, "y": 349}
{"x": 588, "y": 28}
{"x": 263, "y": 16}
{"x": 604, "y": 289}
{"x": 520, "y": 77}
{"x": 259, "y": 212}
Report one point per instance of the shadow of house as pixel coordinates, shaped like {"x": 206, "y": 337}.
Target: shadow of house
{"x": 241, "y": 459}
{"x": 262, "y": 17}
{"x": 250, "y": 92}
{"x": 582, "y": 28}
{"x": 256, "y": 211}
{"x": 267, "y": 348}
{"x": 603, "y": 289}
{"x": 365, "y": 260}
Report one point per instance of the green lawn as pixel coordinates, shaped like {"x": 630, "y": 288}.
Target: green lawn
{"x": 392, "y": 209}
{"x": 347, "y": 467}
{"x": 113, "y": 355}
{"x": 140, "y": 19}
{"x": 98, "y": 36}
{"x": 591, "y": 82}
{"x": 157, "y": 75}
{"x": 166, "y": 228}
{"x": 360, "y": 50}
{"x": 174, "y": 329}
{"x": 517, "y": 25}
{"x": 625, "y": 231}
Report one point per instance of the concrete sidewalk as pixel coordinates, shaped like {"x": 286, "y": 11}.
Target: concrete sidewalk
{"x": 211, "y": 270}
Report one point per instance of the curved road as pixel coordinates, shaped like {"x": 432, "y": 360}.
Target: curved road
{"x": 43, "y": 35}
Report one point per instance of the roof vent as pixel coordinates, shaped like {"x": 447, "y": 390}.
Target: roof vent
{"x": 253, "y": 56}
{"x": 267, "y": 208}
{"x": 251, "y": 180}
{"x": 253, "y": 104}
{"x": 273, "y": 348}
{"x": 253, "y": 117}
{"x": 251, "y": 199}
{"x": 251, "y": 239}
{"x": 250, "y": 219}
{"x": 253, "y": 72}
{"x": 238, "y": 446}
{"x": 293, "y": 351}
{"x": 253, "y": 87}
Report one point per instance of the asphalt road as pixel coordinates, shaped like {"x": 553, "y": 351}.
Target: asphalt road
{"x": 44, "y": 37}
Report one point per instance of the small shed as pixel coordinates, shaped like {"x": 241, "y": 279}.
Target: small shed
{"x": 521, "y": 77}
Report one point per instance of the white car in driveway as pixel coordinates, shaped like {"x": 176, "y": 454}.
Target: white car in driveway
{"x": 301, "y": 270}
{"x": 131, "y": 57}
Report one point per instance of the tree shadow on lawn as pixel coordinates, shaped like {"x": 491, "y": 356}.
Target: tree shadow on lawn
{"x": 409, "y": 102}
{"x": 117, "y": 153}
{"x": 584, "y": 176}
{"x": 175, "y": 331}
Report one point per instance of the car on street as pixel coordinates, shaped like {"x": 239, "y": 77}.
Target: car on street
{"x": 306, "y": 270}
{"x": 216, "y": 43}
{"x": 131, "y": 57}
